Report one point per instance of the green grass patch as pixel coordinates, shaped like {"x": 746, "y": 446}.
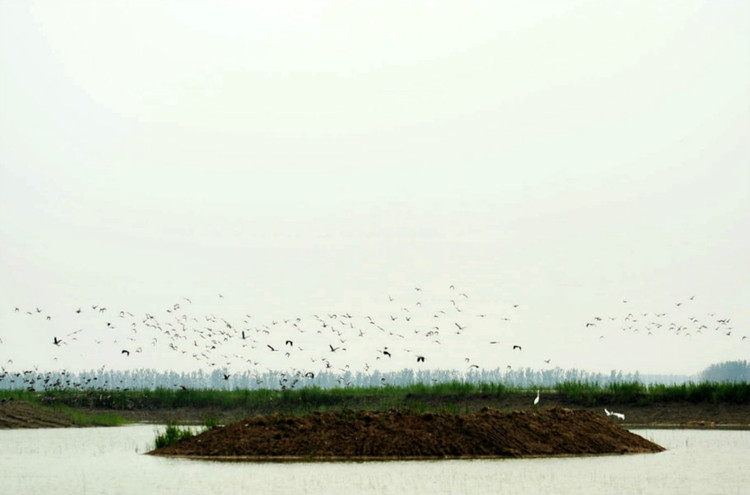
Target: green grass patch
{"x": 78, "y": 416}
{"x": 172, "y": 435}
{"x": 589, "y": 394}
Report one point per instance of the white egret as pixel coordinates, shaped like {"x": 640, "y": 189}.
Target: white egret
{"x": 615, "y": 414}
{"x": 536, "y": 401}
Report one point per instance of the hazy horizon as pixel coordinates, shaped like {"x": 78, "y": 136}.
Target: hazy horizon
{"x": 556, "y": 162}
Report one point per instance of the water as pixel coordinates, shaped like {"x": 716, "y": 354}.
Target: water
{"x": 110, "y": 461}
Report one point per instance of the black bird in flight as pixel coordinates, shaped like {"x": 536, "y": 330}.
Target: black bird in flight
{"x": 516, "y": 347}
{"x": 420, "y": 359}
{"x": 126, "y": 352}
{"x": 56, "y": 341}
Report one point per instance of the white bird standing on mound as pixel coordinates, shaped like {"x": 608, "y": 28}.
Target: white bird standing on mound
{"x": 536, "y": 401}
{"x": 615, "y": 414}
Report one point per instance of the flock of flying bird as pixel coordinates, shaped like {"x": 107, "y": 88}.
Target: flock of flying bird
{"x": 409, "y": 330}
{"x": 679, "y": 321}
{"x": 406, "y": 333}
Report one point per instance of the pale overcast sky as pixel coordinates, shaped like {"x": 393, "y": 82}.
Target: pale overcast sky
{"x": 313, "y": 157}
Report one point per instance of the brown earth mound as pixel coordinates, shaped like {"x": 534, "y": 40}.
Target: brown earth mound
{"x": 398, "y": 434}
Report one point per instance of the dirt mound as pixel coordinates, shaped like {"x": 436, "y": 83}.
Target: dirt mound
{"x": 399, "y": 434}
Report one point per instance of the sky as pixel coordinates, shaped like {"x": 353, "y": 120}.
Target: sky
{"x": 572, "y": 177}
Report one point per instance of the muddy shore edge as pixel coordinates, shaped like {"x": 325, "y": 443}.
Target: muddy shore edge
{"x": 22, "y": 414}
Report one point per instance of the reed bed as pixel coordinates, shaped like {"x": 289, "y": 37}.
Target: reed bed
{"x": 589, "y": 394}
{"x": 413, "y": 396}
{"x": 173, "y": 434}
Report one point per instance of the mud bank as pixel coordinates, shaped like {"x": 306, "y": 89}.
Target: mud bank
{"x": 21, "y": 414}
{"x": 403, "y": 434}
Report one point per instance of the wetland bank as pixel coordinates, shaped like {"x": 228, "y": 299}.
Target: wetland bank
{"x": 699, "y": 459}
{"x": 694, "y": 404}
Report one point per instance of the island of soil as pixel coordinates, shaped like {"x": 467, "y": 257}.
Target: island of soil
{"x": 404, "y": 434}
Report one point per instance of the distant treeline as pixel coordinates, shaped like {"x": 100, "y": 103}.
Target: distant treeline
{"x": 728, "y": 371}
{"x": 222, "y": 379}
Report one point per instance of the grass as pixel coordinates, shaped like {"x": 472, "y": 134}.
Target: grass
{"x": 311, "y": 398}
{"x": 173, "y": 434}
{"x": 588, "y": 394}
{"x": 77, "y": 416}
{"x": 450, "y": 396}
{"x": 85, "y": 418}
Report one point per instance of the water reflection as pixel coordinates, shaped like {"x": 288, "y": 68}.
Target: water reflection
{"x": 110, "y": 460}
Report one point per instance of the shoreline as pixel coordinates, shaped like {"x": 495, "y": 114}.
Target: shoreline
{"x": 659, "y": 415}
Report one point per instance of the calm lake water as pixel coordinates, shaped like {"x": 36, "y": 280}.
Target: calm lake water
{"x": 111, "y": 460}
